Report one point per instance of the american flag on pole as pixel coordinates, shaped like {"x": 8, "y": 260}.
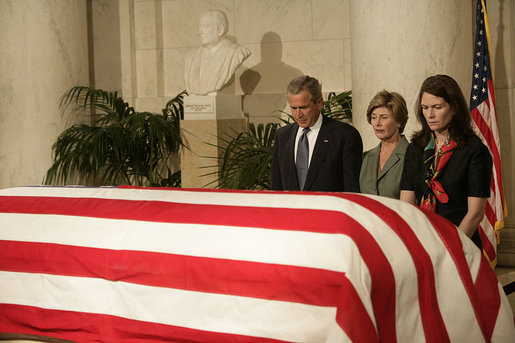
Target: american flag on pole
{"x": 482, "y": 107}
{"x": 167, "y": 265}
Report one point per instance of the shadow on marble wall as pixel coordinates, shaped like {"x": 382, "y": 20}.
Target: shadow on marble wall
{"x": 271, "y": 75}
{"x": 264, "y": 84}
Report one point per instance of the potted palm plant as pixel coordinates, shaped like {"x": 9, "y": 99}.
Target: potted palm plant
{"x": 120, "y": 146}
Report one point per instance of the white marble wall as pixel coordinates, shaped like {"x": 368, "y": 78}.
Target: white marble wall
{"x": 43, "y": 52}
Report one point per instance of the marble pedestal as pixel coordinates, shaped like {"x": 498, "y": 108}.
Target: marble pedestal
{"x": 208, "y": 120}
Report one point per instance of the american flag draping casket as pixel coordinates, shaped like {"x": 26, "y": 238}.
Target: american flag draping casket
{"x": 152, "y": 265}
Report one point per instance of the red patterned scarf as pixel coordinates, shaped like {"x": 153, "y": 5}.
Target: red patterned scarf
{"x": 433, "y": 169}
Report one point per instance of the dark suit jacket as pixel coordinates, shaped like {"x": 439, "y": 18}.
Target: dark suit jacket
{"x": 335, "y": 164}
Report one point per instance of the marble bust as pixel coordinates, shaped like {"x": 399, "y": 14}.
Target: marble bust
{"x": 211, "y": 66}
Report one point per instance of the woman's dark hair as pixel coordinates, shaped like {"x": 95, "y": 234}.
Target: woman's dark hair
{"x": 447, "y": 88}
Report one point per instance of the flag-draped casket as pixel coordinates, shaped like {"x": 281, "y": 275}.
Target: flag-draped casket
{"x": 151, "y": 265}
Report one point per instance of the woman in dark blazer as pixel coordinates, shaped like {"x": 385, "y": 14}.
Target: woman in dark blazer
{"x": 381, "y": 168}
{"x": 447, "y": 168}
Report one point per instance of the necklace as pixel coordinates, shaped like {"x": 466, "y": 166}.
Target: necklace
{"x": 440, "y": 144}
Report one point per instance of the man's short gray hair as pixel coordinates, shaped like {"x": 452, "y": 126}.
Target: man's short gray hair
{"x": 307, "y": 83}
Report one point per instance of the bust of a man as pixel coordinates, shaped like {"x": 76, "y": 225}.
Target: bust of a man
{"x": 209, "y": 67}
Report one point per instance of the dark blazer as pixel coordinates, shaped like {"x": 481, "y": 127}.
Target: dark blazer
{"x": 335, "y": 163}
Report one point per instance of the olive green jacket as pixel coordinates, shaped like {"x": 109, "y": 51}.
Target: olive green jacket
{"x": 388, "y": 182}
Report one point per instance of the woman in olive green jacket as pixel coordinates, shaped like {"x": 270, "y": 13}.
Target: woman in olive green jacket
{"x": 381, "y": 168}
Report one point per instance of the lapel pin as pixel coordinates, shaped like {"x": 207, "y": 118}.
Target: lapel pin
{"x": 326, "y": 141}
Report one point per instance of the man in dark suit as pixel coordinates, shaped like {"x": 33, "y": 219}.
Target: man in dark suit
{"x": 316, "y": 153}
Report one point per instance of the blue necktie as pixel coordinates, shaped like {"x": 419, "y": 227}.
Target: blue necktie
{"x": 302, "y": 158}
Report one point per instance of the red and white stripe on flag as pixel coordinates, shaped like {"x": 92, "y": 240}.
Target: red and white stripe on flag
{"x": 154, "y": 265}
{"x": 482, "y": 106}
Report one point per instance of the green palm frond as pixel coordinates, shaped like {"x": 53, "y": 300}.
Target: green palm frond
{"x": 121, "y": 146}
{"x": 174, "y": 109}
{"x": 105, "y": 106}
{"x": 338, "y": 106}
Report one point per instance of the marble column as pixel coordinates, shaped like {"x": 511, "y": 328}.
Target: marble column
{"x": 396, "y": 44}
{"x": 43, "y": 53}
